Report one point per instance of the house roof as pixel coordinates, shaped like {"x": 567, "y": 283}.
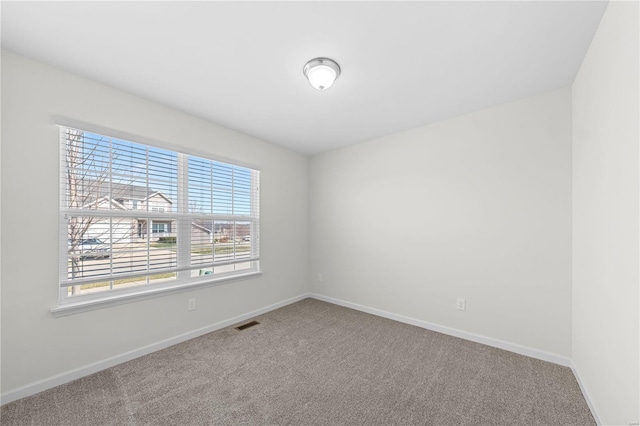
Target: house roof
{"x": 106, "y": 200}
{"x": 202, "y": 227}
{"x": 97, "y": 191}
{"x": 127, "y": 191}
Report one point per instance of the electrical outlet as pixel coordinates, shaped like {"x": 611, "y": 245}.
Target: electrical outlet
{"x": 320, "y": 278}
{"x": 191, "y": 304}
{"x": 461, "y": 305}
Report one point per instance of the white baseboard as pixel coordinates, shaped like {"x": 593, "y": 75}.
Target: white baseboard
{"x": 496, "y": 343}
{"x": 42, "y": 385}
{"x": 586, "y": 395}
{"x": 512, "y": 347}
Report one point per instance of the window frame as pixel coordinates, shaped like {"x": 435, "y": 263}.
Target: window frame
{"x": 180, "y": 224}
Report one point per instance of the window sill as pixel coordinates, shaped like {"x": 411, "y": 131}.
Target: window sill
{"x": 72, "y": 308}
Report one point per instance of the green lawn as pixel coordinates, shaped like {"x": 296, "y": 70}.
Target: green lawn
{"x": 127, "y": 280}
{"x": 205, "y": 249}
{"x": 220, "y": 250}
{"x": 163, "y": 245}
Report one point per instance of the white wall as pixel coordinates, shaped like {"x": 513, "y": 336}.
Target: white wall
{"x": 35, "y": 345}
{"x": 606, "y": 216}
{"x": 477, "y": 207}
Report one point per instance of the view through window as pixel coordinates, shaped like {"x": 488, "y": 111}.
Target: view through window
{"x": 134, "y": 215}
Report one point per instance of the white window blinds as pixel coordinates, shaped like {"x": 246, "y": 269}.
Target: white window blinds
{"x": 134, "y": 215}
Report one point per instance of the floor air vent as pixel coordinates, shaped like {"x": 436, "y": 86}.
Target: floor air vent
{"x": 247, "y": 325}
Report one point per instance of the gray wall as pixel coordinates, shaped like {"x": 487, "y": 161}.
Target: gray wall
{"x": 605, "y": 217}
{"x": 476, "y": 207}
{"x": 37, "y": 346}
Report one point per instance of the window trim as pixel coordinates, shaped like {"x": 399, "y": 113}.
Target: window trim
{"x": 120, "y": 297}
{"x": 157, "y": 143}
{"x": 84, "y": 303}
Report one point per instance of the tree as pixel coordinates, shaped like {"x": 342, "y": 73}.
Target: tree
{"x": 84, "y": 180}
{"x": 89, "y": 163}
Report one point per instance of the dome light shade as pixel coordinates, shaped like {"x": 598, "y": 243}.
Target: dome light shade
{"x": 321, "y": 72}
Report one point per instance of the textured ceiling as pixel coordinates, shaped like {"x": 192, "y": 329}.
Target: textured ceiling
{"x": 239, "y": 64}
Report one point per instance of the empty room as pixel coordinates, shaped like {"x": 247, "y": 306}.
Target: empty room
{"x": 367, "y": 213}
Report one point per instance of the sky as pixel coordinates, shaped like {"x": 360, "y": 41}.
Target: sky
{"x": 214, "y": 187}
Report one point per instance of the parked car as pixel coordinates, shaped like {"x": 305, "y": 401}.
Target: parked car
{"x": 91, "y": 248}
{"x": 247, "y": 238}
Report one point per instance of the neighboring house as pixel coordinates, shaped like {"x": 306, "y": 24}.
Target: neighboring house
{"x": 157, "y": 202}
{"x": 129, "y": 198}
{"x": 205, "y": 232}
{"x": 201, "y": 233}
{"x": 138, "y": 198}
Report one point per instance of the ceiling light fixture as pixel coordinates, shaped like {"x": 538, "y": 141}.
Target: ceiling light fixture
{"x": 321, "y": 72}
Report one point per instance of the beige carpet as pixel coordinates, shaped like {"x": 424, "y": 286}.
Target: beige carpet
{"x": 316, "y": 363}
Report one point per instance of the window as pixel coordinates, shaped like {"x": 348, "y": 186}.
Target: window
{"x": 136, "y": 217}
{"x": 159, "y": 228}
